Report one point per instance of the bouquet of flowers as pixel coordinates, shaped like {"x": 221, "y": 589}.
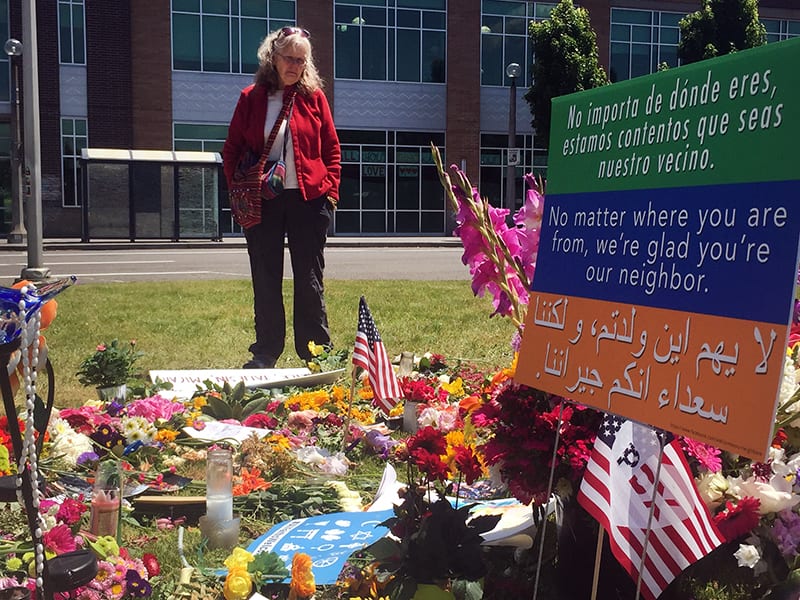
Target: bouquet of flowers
{"x": 433, "y": 541}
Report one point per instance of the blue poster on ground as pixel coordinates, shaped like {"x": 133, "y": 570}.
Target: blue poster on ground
{"x": 328, "y": 539}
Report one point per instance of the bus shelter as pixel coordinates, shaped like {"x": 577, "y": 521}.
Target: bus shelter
{"x": 150, "y": 194}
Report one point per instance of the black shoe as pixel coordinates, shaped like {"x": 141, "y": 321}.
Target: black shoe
{"x": 259, "y": 362}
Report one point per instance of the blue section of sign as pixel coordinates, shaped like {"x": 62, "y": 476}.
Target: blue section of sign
{"x": 328, "y": 539}
{"x": 684, "y": 249}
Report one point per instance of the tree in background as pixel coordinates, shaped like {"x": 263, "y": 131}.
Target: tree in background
{"x": 565, "y": 61}
{"x": 720, "y": 27}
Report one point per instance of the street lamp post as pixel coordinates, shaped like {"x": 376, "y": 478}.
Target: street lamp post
{"x": 35, "y": 271}
{"x": 17, "y": 235}
{"x": 513, "y": 71}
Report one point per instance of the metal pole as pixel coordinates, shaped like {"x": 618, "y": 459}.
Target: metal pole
{"x": 511, "y": 170}
{"x": 17, "y": 235}
{"x": 33, "y": 175}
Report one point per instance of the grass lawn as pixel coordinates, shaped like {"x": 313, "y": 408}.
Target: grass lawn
{"x": 209, "y": 324}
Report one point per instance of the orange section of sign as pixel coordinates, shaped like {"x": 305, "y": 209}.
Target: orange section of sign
{"x": 706, "y": 377}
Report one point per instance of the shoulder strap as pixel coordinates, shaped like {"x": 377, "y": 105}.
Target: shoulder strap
{"x": 288, "y": 101}
{"x": 287, "y": 133}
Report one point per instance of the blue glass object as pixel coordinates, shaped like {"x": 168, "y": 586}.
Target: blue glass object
{"x": 33, "y": 299}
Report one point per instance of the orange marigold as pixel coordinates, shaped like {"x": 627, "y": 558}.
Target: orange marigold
{"x": 302, "y": 585}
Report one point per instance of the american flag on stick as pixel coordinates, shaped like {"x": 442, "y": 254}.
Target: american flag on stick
{"x": 623, "y": 485}
{"x": 370, "y": 354}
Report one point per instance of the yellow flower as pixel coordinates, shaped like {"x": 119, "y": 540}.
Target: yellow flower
{"x": 366, "y": 393}
{"x": 5, "y": 464}
{"x": 166, "y": 435}
{"x": 302, "y": 585}
{"x": 279, "y": 442}
{"x": 237, "y": 584}
{"x": 339, "y": 394}
{"x": 199, "y": 402}
{"x": 455, "y": 438}
{"x": 315, "y": 349}
{"x": 238, "y": 558}
{"x": 13, "y": 564}
{"x": 310, "y": 400}
{"x": 454, "y": 388}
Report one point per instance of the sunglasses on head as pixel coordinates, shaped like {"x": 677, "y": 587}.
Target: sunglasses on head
{"x": 287, "y": 31}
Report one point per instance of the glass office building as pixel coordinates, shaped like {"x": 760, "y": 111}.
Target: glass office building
{"x": 400, "y": 75}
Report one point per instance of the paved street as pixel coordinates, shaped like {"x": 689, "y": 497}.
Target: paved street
{"x": 231, "y": 262}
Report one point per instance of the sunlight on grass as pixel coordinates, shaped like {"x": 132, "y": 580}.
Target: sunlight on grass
{"x": 209, "y": 324}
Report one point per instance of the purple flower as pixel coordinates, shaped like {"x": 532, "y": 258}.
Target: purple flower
{"x": 87, "y": 459}
{"x": 106, "y": 437}
{"x": 786, "y": 532}
{"x": 115, "y": 408}
{"x": 136, "y": 585}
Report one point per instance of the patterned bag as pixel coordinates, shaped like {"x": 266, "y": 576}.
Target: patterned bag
{"x": 250, "y": 183}
{"x": 245, "y": 193}
{"x": 272, "y": 180}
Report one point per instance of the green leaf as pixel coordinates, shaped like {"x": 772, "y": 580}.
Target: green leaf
{"x": 469, "y": 590}
{"x": 269, "y": 567}
{"x": 384, "y": 549}
{"x": 254, "y": 406}
{"x": 237, "y": 395}
{"x": 218, "y": 408}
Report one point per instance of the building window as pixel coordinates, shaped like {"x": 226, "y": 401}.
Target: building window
{"x": 780, "y": 29}
{"x": 222, "y": 36}
{"x": 73, "y": 140}
{"x": 5, "y": 63}
{"x": 641, "y": 40}
{"x": 404, "y": 41}
{"x": 71, "y": 32}
{"x": 192, "y": 137}
{"x": 389, "y": 183}
{"x": 504, "y": 37}
{"x": 198, "y": 137}
{"x": 494, "y": 158}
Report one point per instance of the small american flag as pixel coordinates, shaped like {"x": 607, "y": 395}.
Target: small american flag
{"x": 370, "y": 354}
{"x": 617, "y": 490}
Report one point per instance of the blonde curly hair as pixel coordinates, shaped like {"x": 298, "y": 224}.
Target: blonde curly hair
{"x": 275, "y": 43}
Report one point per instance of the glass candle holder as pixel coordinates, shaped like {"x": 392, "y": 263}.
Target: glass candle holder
{"x": 219, "y": 485}
{"x": 106, "y": 499}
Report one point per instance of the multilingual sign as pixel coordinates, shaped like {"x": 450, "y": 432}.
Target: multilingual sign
{"x": 669, "y": 248}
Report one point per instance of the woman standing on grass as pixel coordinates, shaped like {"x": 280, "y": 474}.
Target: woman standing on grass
{"x": 303, "y": 212}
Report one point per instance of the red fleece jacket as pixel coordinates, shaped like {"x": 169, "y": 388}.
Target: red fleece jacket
{"x": 317, "y": 154}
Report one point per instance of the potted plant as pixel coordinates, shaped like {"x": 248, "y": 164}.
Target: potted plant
{"x": 109, "y": 368}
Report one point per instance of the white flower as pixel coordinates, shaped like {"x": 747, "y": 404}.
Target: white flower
{"x": 774, "y": 496}
{"x": 349, "y": 500}
{"x": 712, "y": 488}
{"x": 59, "y": 426}
{"x": 788, "y": 385}
{"x": 429, "y": 417}
{"x": 137, "y": 429}
{"x": 747, "y": 556}
{"x": 70, "y": 445}
{"x": 173, "y": 460}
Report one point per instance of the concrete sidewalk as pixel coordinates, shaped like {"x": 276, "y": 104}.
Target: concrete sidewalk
{"x": 55, "y": 244}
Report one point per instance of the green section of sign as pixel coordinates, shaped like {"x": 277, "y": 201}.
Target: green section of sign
{"x": 732, "y": 119}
